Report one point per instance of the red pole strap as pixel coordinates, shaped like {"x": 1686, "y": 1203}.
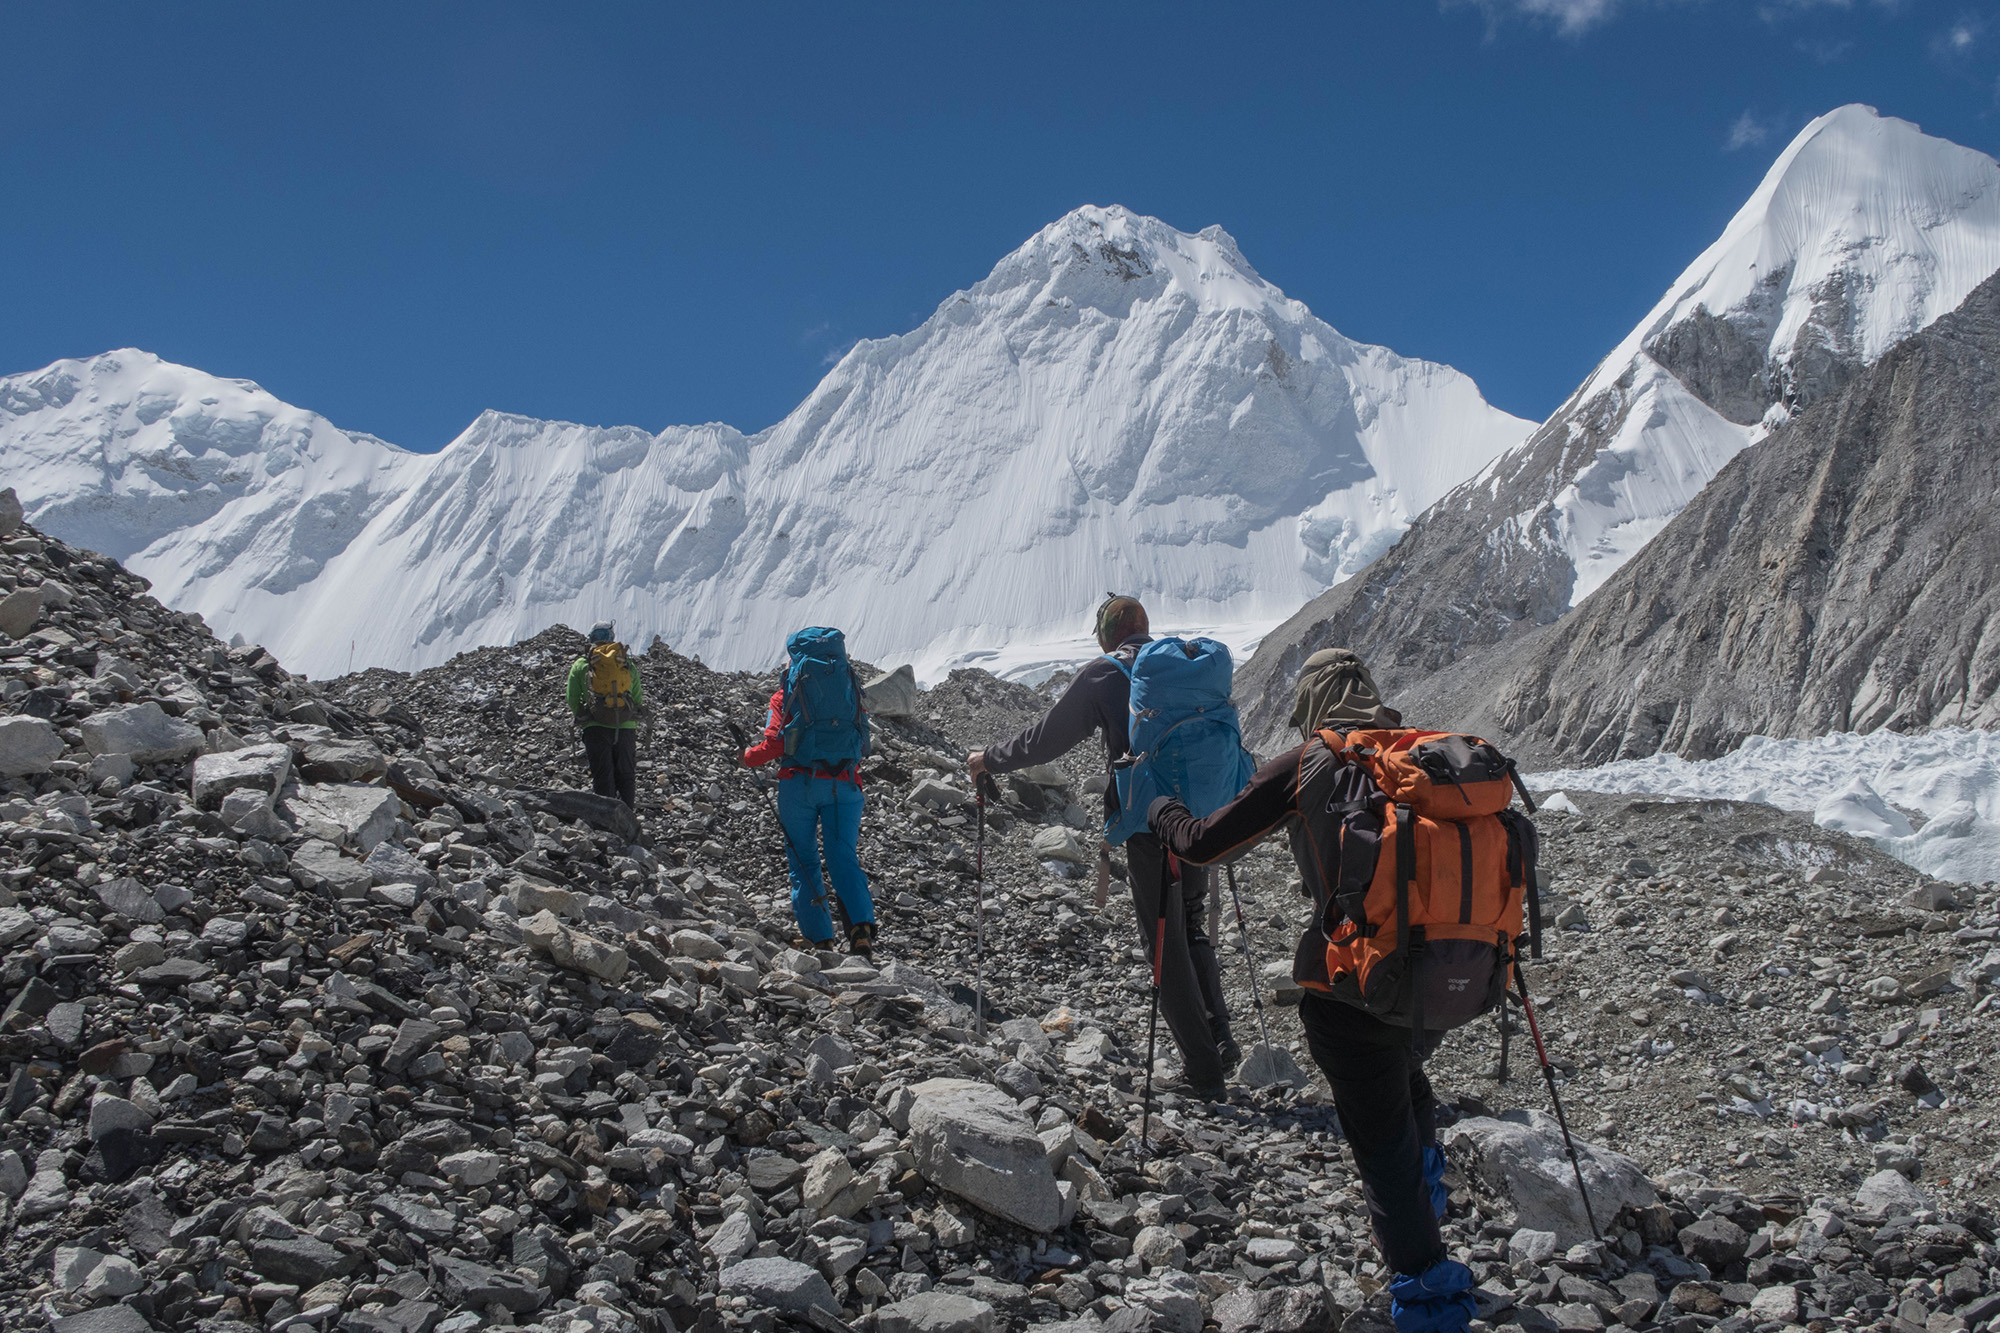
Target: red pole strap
{"x": 1534, "y": 1029}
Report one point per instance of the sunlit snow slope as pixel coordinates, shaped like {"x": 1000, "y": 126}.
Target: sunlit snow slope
{"x": 1864, "y": 231}
{"x": 1118, "y": 405}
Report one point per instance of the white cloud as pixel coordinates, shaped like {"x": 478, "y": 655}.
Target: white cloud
{"x": 1570, "y": 15}
{"x": 1573, "y": 17}
{"x": 1747, "y": 132}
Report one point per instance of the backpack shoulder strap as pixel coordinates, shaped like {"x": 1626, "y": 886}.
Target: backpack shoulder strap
{"x": 1121, "y": 663}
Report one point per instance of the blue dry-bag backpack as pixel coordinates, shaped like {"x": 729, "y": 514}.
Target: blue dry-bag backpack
{"x": 1186, "y": 740}
{"x": 826, "y": 727}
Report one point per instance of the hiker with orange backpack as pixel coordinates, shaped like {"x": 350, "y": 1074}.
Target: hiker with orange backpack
{"x": 816, "y": 729}
{"x": 1418, "y": 872}
{"x": 606, "y": 698}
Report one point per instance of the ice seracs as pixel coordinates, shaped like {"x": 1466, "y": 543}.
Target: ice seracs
{"x": 1119, "y": 403}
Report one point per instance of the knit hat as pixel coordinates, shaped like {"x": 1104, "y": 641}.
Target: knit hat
{"x": 1337, "y": 693}
{"x": 1118, "y": 619}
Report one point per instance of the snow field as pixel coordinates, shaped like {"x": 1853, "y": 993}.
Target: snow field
{"x": 1866, "y": 785}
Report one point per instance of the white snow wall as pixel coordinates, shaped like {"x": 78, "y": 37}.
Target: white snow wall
{"x": 1119, "y": 405}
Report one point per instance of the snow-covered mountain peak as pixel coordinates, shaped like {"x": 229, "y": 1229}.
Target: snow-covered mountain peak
{"x": 1111, "y": 259}
{"x": 1117, "y": 404}
{"x": 1863, "y": 231}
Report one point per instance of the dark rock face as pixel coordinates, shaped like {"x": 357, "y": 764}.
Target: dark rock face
{"x": 1486, "y": 566}
{"x": 1839, "y": 576}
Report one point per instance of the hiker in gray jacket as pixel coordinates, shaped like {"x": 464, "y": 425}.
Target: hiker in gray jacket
{"x": 1099, "y": 700}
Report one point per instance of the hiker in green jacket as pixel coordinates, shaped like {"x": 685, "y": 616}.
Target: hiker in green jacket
{"x": 605, "y": 697}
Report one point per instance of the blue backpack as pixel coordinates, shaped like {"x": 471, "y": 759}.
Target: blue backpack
{"x": 826, "y": 728}
{"x": 1186, "y": 740}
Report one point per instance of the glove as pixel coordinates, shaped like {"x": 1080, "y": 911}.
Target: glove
{"x": 1437, "y": 1300}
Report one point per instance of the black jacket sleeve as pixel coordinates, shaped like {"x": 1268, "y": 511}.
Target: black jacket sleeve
{"x": 1271, "y": 798}
{"x": 1070, "y": 721}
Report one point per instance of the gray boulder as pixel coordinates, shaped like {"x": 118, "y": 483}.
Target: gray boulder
{"x": 343, "y": 761}
{"x": 390, "y": 864}
{"x": 779, "y": 1284}
{"x": 1273, "y": 1310}
{"x": 1521, "y": 1154}
{"x": 320, "y": 867}
{"x": 11, "y": 514}
{"x": 105, "y": 1319}
{"x": 892, "y": 694}
{"x": 972, "y": 1140}
{"x": 27, "y": 745}
{"x": 937, "y": 794}
{"x": 1057, "y": 843}
{"x": 19, "y": 610}
{"x": 143, "y": 731}
{"x": 1268, "y": 1066}
{"x": 260, "y": 768}
{"x": 250, "y": 813}
{"x": 349, "y": 814}
{"x": 936, "y": 1312}
{"x": 1891, "y": 1194}
{"x": 130, "y": 899}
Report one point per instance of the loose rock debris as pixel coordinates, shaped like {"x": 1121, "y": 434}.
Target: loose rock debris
{"x": 334, "y": 1005}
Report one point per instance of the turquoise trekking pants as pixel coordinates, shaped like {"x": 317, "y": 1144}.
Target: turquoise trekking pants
{"x": 823, "y": 816}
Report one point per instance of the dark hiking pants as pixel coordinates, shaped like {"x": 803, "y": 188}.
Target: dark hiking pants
{"x": 613, "y": 754}
{"x": 1389, "y": 1116}
{"x": 1190, "y": 982}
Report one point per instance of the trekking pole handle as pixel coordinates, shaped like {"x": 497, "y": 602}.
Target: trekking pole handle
{"x": 988, "y": 788}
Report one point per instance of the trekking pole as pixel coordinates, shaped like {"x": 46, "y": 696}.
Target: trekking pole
{"x": 742, "y": 743}
{"x": 981, "y": 787}
{"x": 1549, "y": 1076}
{"x": 1153, "y": 1026}
{"x": 1256, "y": 984}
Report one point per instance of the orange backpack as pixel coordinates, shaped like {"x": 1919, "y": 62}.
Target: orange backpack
{"x": 1423, "y": 870}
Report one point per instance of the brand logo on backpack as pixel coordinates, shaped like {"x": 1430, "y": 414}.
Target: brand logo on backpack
{"x": 611, "y": 703}
{"x": 1425, "y": 873}
{"x": 1185, "y": 738}
{"x": 826, "y": 726}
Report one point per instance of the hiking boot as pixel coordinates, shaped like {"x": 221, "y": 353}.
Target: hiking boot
{"x": 812, "y": 946}
{"x": 1204, "y": 1092}
{"x": 861, "y": 938}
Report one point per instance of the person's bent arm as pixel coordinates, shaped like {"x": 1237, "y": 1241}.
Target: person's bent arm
{"x": 1271, "y": 798}
{"x": 1070, "y": 721}
{"x": 578, "y": 688}
{"x": 773, "y": 744}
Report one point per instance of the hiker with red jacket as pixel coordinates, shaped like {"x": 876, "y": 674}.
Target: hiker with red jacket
{"x": 816, "y": 730}
{"x": 1190, "y": 981}
{"x": 1349, "y": 839}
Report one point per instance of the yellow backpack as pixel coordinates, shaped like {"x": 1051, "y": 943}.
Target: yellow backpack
{"x": 610, "y": 686}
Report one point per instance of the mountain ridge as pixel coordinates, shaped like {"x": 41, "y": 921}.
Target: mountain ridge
{"x": 1117, "y": 402}
{"x": 1863, "y": 231}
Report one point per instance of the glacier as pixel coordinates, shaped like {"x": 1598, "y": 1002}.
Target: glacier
{"x": 1118, "y": 405}
{"x": 1857, "y": 783}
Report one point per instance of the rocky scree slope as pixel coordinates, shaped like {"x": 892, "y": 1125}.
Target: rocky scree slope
{"x": 1864, "y": 231}
{"x": 329, "y": 1006}
{"x": 1117, "y": 404}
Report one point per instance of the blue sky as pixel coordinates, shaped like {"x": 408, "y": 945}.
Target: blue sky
{"x": 398, "y": 215}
